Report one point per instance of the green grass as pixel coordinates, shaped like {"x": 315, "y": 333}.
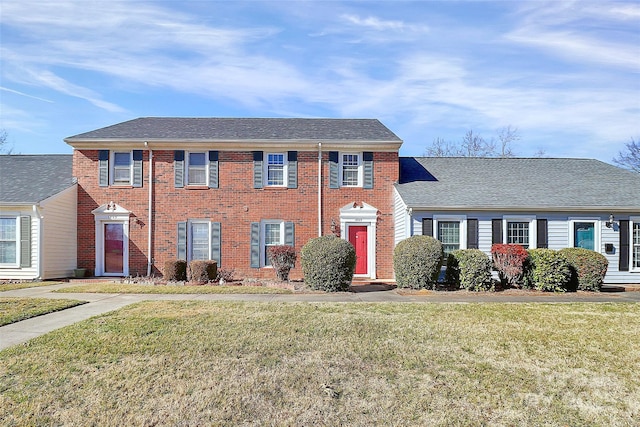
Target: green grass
{"x": 23, "y": 285}
{"x": 214, "y": 363}
{"x": 17, "y": 309}
{"x": 116, "y": 288}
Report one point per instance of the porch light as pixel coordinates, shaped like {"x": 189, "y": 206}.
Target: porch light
{"x": 611, "y": 222}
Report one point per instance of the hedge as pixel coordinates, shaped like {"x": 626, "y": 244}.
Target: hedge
{"x": 588, "y": 268}
{"x": 547, "y": 270}
{"x": 175, "y": 270}
{"x": 417, "y": 261}
{"x": 328, "y": 263}
{"x": 469, "y": 269}
{"x": 203, "y": 271}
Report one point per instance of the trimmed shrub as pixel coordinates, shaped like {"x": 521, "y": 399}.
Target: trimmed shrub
{"x": 588, "y": 268}
{"x": 223, "y": 275}
{"x": 547, "y": 270}
{"x": 509, "y": 261}
{"x": 469, "y": 269}
{"x": 175, "y": 270}
{"x": 283, "y": 258}
{"x": 203, "y": 271}
{"x": 328, "y": 263}
{"x": 417, "y": 261}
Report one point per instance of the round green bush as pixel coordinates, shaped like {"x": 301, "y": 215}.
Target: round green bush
{"x": 547, "y": 270}
{"x": 469, "y": 269}
{"x": 589, "y": 268}
{"x": 328, "y": 263}
{"x": 417, "y": 261}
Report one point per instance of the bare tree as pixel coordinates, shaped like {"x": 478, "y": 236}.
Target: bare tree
{"x": 4, "y": 143}
{"x": 507, "y": 136}
{"x": 629, "y": 158}
{"x": 442, "y": 148}
{"x": 474, "y": 145}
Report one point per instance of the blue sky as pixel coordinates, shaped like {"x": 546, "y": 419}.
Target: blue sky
{"x": 566, "y": 74}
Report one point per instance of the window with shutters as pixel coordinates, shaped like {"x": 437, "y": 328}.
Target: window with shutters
{"x": 121, "y": 168}
{"x": 9, "y": 241}
{"x": 635, "y": 244}
{"x": 450, "y": 230}
{"x": 199, "y": 240}
{"x": 273, "y": 236}
{"x": 197, "y": 171}
{"x": 275, "y": 169}
{"x": 350, "y": 170}
{"x": 520, "y": 230}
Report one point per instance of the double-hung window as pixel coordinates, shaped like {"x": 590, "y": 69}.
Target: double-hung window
{"x": 273, "y": 236}
{"x": 520, "y": 230}
{"x": 197, "y": 168}
{"x": 635, "y": 245}
{"x": 200, "y": 241}
{"x": 266, "y": 234}
{"x": 275, "y": 169}
{"x": 122, "y": 171}
{"x": 9, "y": 241}
{"x": 449, "y": 235}
{"x": 350, "y": 170}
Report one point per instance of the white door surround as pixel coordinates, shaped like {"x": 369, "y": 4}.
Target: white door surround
{"x": 111, "y": 213}
{"x": 361, "y": 214}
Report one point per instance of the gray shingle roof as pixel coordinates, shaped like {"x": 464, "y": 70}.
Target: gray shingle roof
{"x": 496, "y": 183}
{"x": 29, "y": 179}
{"x": 242, "y": 129}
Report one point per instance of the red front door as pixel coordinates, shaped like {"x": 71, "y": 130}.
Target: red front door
{"x": 358, "y": 238}
{"x": 114, "y": 248}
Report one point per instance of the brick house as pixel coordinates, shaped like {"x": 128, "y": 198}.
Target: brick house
{"x": 156, "y": 189}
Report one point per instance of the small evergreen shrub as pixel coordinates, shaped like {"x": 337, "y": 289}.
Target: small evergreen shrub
{"x": 509, "y": 261}
{"x": 547, "y": 270}
{"x": 225, "y": 275}
{"x": 175, "y": 270}
{"x": 203, "y": 271}
{"x": 283, "y": 258}
{"x": 328, "y": 263}
{"x": 417, "y": 261}
{"x": 588, "y": 268}
{"x": 469, "y": 269}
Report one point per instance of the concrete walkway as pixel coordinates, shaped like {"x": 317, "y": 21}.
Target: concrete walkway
{"x": 20, "y": 332}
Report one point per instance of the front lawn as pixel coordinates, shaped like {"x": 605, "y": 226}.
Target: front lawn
{"x": 17, "y": 309}
{"x": 117, "y": 288}
{"x": 223, "y": 363}
{"x": 23, "y": 285}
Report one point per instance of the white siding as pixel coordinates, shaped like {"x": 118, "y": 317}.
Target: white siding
{"x": 558, "y": 234}
{"x": 59, "y": 254}
{"x": 27, "y": 273}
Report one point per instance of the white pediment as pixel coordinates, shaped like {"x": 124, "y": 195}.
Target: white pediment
{"x": 358, "y": 210}
{"x": 111, "y": 209}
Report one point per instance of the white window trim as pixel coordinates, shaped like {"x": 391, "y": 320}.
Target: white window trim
{"x": 16, "y": 218}
{"x": 206, "y": 168}
{"x": 632, "y": 220}
{"x": 190, "y": 237}
{"x": 533, "y": 228}
{"x": 341, "y": 170}
{"x": 112, "y": 168}
{"x": 462, "y": 219}
{"x": 597, "y": 238}
{"x": 263, "y": 245}
{"x": 265, "y": 169}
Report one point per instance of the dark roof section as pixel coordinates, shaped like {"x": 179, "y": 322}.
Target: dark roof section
{"x": 242, "y": 129}
{"x": 517, "y": 183}
{"x": 29, "y": 179}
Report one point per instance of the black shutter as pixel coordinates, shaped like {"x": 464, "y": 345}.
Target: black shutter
{"x": 213, "y": 169}
{"x": 178, "y": 168}
{"x": 543, "y": 234}
{"x": 255, "y": 245}
{"x": 257, "y": 169}
{"x": 427, "y": 227}
{"x": 137, "y": 168}
{"x": 182, "y": 240}
{"x": 103, "y": 168}
{"x": 334, "y": 166}
{"x": 367, "y": 159}
{"x": 25, "y": 241}
{"x": 292, "y": 169}
{"x": 496, "y": 231}
{"x": 472, "y": 234}
{"x": 215, "y": 242}
{"x": 623, "y": 260}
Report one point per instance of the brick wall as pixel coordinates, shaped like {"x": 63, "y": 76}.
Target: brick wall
{"x": 236, "y": 204}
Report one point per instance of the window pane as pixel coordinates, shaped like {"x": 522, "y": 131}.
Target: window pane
{"x": 8, "y": 228}
{"x": 272, "y": 237}
{"x": 518, "y": 233}
{"x": 122, "y": 159}
{"x": 350, "y": 164}
{"x": 197, "y": 176}
{"x": 121, "y": 175}
{"x": 197, "y": 159}
{"x": 583, "y": 235}
{"x": 275, "y": 169}
{"x": 199, "y": 241}
{"x": 8, "y": 252}
{"x": 449, "y": 235}
{"x": 636, "y": 245}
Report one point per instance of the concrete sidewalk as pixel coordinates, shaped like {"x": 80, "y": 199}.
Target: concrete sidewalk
{"x": 20, "y": 332}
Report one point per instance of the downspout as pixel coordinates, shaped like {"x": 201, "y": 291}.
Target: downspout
{"x": 319, "y": 189}
{"x": 150, "y": 220}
